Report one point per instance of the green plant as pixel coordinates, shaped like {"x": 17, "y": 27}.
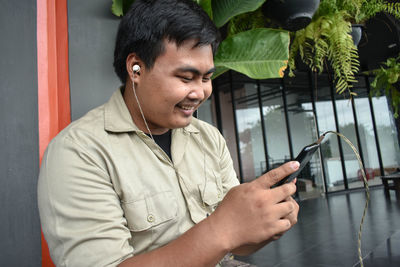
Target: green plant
{"x": 255, "y": 51}
{"x": 246, "y": 21}
{"x": 250, "y": 47}
{"x": 366, "y": 9}
{"x": 120, "y": 7}
{"x": 327, "y": 38}
{"x": 387, "y": 79}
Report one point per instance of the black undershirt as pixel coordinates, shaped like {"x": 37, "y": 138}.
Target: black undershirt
{"x": 164, "y": 141}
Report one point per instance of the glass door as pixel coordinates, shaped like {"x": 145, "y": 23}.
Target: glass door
{"x": 275, "y": 124}
{"x": 303, "y": 131}
{"x": 250, "y": 131}
{"x": 330, "y": 150}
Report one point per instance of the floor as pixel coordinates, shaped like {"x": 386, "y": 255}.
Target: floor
{"x": 326, "y": 234}
{"x": 313, "y": 192}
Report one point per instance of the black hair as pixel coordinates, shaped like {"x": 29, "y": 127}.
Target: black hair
{"x": 148, "y": 23}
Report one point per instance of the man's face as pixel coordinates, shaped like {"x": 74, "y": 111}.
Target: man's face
{"x": 174, "y": 88}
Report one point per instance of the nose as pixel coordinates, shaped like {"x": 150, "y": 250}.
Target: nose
{"x": 198, "y": 92}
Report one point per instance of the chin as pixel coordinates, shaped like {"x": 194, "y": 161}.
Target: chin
{"x": 183, "y": 123}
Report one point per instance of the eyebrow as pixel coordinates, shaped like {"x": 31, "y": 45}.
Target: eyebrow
{"x": 195, "y": 71}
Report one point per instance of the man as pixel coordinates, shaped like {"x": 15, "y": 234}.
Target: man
{"x": 138, "y": 181}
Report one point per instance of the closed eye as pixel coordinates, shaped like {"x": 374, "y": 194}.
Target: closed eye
{"x": 207, "y": 77}
{"x": 185, "y": 78}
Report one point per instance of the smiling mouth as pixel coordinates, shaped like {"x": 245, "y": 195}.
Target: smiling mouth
{"x": 187, "y": 106}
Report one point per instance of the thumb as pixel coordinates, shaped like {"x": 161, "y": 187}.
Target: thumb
{"x": 275, "y": 175}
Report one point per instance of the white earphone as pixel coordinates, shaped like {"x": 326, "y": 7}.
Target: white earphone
{"x": 136, "y": 68}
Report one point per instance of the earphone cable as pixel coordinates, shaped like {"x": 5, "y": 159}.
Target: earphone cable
{"x": 141, "y": 111}
{"x": 366, "y": 190}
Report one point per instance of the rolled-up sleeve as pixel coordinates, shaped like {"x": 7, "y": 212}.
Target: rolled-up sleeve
{"x": 82, "y": 219}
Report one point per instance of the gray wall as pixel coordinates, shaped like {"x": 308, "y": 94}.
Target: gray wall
{"x": 20, "y": 243}
{"x": 92, "y": 29}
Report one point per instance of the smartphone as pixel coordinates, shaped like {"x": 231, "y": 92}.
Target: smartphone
{"x": 303, "y": 158}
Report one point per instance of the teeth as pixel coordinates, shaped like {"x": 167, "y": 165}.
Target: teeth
{"x": 187, "y": 107}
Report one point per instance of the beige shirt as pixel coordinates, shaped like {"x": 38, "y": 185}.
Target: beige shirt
{"x": 107, "y": 192}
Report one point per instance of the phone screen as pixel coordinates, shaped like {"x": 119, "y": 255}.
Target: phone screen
{"x": 303, "y": 158}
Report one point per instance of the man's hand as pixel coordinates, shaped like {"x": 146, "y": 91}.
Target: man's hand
{"x": 253, "y": 213}
{"x": 250, "y": 216}
{"x": 292, "y": 217}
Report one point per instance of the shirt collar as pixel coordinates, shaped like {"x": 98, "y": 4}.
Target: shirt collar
{"x": 116, "y": 115}
{"x": 118, "y": 119}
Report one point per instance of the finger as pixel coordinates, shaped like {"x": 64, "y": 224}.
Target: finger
{"x": 273, "y": 176}
{"x": 277, "y": 236}
{"x": 280, "y": 227}
{"x": 292, "y": 216}
{"x": 281, "y": 193}
{"x": 283, "y": 210}
{"x": 290, "y": 199}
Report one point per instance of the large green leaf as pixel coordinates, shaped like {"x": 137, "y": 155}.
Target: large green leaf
{"x": 120, "y": 7}
{"x": 219, "y": 70}
{"x": 117, "y": 8}
{"x": 223, "y": 10}
{"x": 206, "y": 5}
{"x": 259, "y": 53}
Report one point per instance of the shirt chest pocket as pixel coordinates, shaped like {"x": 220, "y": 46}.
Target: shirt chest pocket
{"x": 208, "y": 197}
{"x": 151, "y": 211}
{"x": 210, "y": 194}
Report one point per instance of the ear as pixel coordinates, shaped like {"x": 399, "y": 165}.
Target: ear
{"x": 131, "y": 60}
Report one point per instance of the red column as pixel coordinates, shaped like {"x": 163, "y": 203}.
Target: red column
{"x": 53, "y": 78}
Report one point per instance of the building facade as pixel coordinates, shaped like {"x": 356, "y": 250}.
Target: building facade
{"x": 268, "y": 122}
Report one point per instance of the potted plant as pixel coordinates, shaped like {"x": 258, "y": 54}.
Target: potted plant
{"x": 243, "y": 51}
{"x": 291, "y": 15}
{"x": 254, "y": 49}
{"x": 387, "y": 79}
{"x": 327, "y": 38}
{"x": 250, "y": 46}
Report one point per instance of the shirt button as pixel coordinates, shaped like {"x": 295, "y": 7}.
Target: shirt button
{"x": 150, "y": 218}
